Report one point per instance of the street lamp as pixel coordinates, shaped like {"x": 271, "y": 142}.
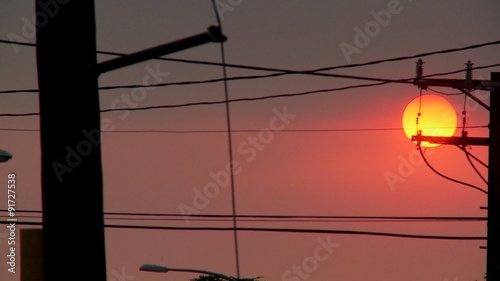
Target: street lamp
{"x": 5, "y": 156}
{"x": 160, "y": 268}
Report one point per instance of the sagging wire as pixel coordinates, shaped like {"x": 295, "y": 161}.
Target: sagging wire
{"x": 468, "y": 78}
{"x": 475, "y": 169}
{"x": 473, "y": 157}
{"x": 419, "y": 148}
{"x": 443, "y": 93}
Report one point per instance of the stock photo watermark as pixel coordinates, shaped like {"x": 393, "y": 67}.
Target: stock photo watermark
{"x": 76, "y": 154}
{"x": 406, "y": 168}
{"x": 48, "y": 10}
{"x": 121, "y": 276}
{"x": 137, "y": 95}
{"x": 224, "y": 6}
{"x": 363, "y": 36}
{"x": 310, "y": 264}
{"x": 11, "y": 227}
{"x": 248, "y": 148}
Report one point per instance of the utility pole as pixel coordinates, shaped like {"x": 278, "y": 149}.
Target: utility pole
{"x": 72, "y": 183}
{"x": 493, "y": 245}
{"x": 493, "y": 142}
{"x": 72, "y": 180}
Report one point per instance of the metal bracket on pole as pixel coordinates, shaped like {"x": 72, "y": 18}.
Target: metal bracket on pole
{"x": 474, "y": 98}
{"x": 213, "y": 34}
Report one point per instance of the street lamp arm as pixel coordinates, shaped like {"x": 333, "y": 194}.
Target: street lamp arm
{"x": 203, "y": 272}
{"x": 5, "y": 155}
{"x": 160, "y": 268}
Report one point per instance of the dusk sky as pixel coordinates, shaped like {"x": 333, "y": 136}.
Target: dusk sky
{"x": 335, "y": 153}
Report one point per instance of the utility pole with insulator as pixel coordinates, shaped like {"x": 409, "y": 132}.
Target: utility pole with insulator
{"x": 493, "y": 143}
{"x": 493, "y": 244}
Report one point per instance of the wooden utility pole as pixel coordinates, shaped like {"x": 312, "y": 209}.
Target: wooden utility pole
{"x": 31, "y": 254}
{"x": 493, "y": 244}
{"x": 493, "y": 142}
{"x": 72, "y": 185}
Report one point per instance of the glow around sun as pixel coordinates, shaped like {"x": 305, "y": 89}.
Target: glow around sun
{"x": 438, "y": 118}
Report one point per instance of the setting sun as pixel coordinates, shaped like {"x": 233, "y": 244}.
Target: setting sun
{"x": 438, "y": 118}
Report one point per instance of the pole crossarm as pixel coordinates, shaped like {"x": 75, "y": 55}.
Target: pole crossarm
{"x": 213, "y": 34}
{"x": 461, "y": 141}
{"x": 465, "y": 86}
{"x": 485, "y": 85}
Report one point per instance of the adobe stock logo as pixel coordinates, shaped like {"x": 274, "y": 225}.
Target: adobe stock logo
{"x": 362, "y": 38}
{"x": 48, "y": 10}
{"x": 75, "y": 154}
{"x": 224, "y": 6}
{"x": 310, "y": 264}
{"x": 121, "y": 276}
{"x": 249, "y": 148}
{"x": 406, "y": 168}
{"x": 90, "y": 139}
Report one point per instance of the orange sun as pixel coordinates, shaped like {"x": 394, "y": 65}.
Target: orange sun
{"x": 438, "y": 118}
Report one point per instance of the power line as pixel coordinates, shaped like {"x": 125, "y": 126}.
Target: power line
{"x": 468, "y": 156}
{"x": 279, "y": 95}
{"x": 443, "y": 93}
{"x": 19, "y": 114}
{"x": 280, "y": 71}
{"x": 251, "y": 77}
{"x": 446, "y": 177}
{"x": 195, "y": 82}
{"x": 273, "y": 220}
{"x": 296, "y": 220}
{"x": 211, "y": 102}
{"x": 304, "y": 230}
{"x": 333, "y": 130}
{"x": 374, "y": 62}
{"x": 475, "y": 169}
{"x": 26, "y": 44}
{"x": 280, "y": 230}
{"x": 19, "y": 91}
{"x": 268, "y": 216}
{"x": 464, "y": 134}
{"x": 313, "y": 71}
{"x": 242, "y": 99}
{"x": 472, "y": 155}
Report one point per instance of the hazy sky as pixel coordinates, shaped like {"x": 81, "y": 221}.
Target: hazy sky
{"x": 280, "y": 172}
